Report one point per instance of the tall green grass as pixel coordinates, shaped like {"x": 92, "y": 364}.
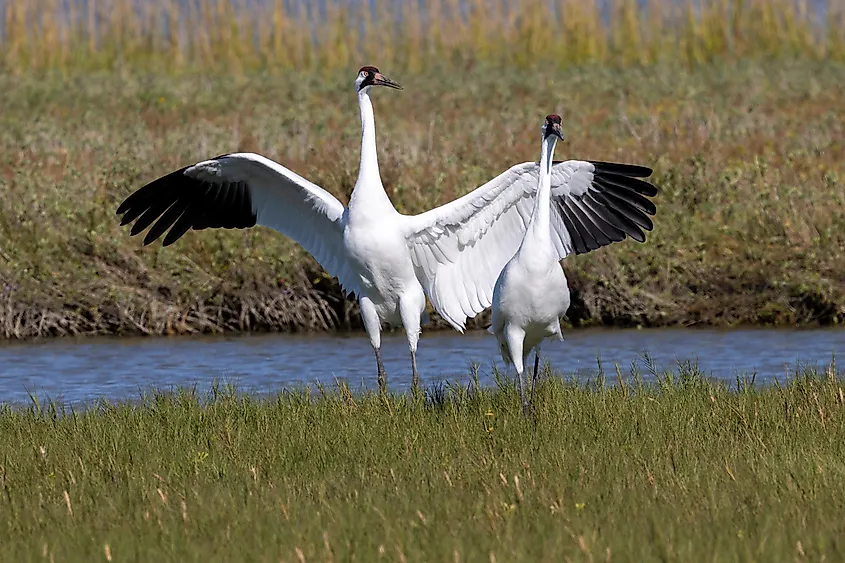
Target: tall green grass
{"x": 238, "y": 35}
{"x": 683, "y": 469}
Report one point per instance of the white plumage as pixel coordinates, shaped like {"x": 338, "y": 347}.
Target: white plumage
{"x": 453, "y": 254}
{"x": 531, "y": 294}
{"x": 460, "y": 248}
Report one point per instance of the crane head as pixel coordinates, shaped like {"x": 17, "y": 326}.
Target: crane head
{"x": 370, "y": 76}
{"x": 552, "y": 126}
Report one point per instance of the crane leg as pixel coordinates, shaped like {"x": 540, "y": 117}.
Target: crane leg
{"x": 411, "y": 308}
{"x": 516, "y": 337}
{"x": 372, "y": 325}
{"x": 415, "y": 376}
{"x": 382, "y": 375}
{"x": 536, "y": 373}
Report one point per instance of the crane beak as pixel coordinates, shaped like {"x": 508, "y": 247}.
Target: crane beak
{"x": 381, "y": 80}
{"x": 555, "y": 130}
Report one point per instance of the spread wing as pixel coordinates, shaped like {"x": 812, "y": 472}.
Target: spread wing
{"x": 238, "y": 191}
{"x": 460, "y": 248}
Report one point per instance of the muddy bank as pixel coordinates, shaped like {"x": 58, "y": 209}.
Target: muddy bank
{"x": 322, "y": 307}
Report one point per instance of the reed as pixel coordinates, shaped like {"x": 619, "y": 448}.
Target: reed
{"x": 280, "y": 35}
{"x": 681, "y": 468}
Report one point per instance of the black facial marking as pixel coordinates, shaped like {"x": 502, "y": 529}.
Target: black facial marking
{"x": 369, "y": 76}
{"x": 552, "y": 124}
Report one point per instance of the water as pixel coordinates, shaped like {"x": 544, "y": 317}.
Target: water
{"x": 78, "y": 371}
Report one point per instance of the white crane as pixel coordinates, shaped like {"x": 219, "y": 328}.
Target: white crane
{"x": 453, "y": 254}
{"x": 531, "y": 294}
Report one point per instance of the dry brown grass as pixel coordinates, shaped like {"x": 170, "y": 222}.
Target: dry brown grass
{"x": 750, "y": 221}
{"x": 238, "y": 35}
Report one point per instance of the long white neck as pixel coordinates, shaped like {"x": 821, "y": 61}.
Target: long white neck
{"x": 538, "y": 226}
{"x": 368, "y": 187}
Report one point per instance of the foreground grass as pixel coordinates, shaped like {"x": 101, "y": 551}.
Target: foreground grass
{"x": 683, "y": 469}
{"x": 751, "y": 214}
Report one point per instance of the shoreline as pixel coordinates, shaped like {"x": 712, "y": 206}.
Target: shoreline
{"x": 326, "y": 313}
{"x": 315, "y": 312}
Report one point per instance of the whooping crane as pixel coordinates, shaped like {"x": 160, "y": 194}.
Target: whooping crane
{"x": 531, "y": 295}
{"x": 453, "y": 253}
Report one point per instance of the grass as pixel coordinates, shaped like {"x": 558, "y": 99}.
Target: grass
{"x": 281, "y": 35}
{"x": 750, "y": 224}
{"x": 681, "y": 469}
{"x": 734, "y": 103}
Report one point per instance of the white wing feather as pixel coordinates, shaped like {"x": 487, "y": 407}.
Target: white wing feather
{"x": 460, "y": 248}
{"x": 290, "y": 204}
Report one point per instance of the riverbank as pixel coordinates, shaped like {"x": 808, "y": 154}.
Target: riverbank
{"x": 681, "y": 469}
{"x": 749, "y": 230}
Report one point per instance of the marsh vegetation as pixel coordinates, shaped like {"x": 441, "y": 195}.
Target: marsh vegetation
{"x": 735, "y": 105}
{"x": 751, "y": 212}
{"x": 679, "y": 468}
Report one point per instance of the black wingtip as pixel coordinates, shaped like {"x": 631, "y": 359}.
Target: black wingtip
{"x": 630, "y": 170}
{"x": 640, "y": 186}
{"x": 179, "y": 202}
{"x": 616, "y": 206}
{"x": 638, "y": 235}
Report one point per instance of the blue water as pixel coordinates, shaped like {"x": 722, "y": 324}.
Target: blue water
{"x": 77, "y": 371}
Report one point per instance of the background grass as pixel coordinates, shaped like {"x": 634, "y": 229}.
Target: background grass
{"x": 749, "y": 229}
{"x": 681, "y": 469}
{"x": 331, "y": 35}
{"x": 735, "y": 104}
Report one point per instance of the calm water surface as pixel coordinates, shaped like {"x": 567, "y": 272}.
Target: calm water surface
{"x": 81, "y": 370}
